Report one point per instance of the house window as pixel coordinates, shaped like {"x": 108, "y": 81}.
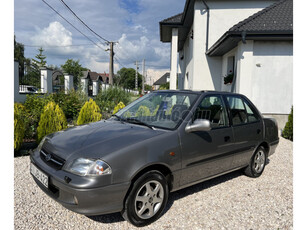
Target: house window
{"x": 230, "y": 65}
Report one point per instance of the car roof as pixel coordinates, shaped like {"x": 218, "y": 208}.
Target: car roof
{"x": 200, "y": 92}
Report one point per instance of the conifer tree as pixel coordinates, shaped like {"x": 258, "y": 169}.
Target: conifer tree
{"x": 40, "y": 60}
{"x": 90, "y": 112}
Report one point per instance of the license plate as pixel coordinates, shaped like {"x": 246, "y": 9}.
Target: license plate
{"x": 39, "y": 175}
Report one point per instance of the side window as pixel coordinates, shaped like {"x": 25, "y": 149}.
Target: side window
{"x": 240, "y": 111}
{"x": 251, "y": 115}
{"x": 212, "y": 108}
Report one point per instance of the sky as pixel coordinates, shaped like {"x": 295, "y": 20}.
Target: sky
{"x": 134, "y": 24}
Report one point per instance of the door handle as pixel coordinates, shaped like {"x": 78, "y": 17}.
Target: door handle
{"x": 227, "y": 138}
{"x": 258, "y": 131}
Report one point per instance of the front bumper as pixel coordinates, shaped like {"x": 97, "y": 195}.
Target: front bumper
{"x": 81, "y": 199}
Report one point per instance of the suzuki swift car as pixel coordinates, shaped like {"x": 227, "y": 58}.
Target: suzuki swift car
{"x": 162, "y": 142}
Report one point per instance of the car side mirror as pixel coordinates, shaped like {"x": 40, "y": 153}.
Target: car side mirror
{"x": 198, "y": 125}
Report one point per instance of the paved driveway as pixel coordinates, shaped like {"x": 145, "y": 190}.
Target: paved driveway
{"x": 233, "y": 201}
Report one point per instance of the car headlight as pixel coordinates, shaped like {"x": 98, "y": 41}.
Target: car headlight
{"x": 88, "y": 167}
{"x": 39, "y": 147}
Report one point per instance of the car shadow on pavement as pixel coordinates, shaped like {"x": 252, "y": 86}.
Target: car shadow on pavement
{"x": 108, "y": 218}
{"x": 199, "y": 187}
{"x": 116, "y": 217}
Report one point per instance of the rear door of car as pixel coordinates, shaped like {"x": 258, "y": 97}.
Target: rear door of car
{"x": 247, "y": 127}
{"x": 207, "y": 153}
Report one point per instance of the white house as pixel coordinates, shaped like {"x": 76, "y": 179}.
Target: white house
{"x": 162, "y": 80}
{"x": 253, "y": 40}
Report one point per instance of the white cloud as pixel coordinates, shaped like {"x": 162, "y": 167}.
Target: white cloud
{"x": 129, "y": 50}
{"x": 140, "y": 28}
{"x": 96, "y": 66}
{"x": 138, "y": 34}
{"x": 53, "y": 35}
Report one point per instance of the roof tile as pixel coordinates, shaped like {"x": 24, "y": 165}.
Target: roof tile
{"x": 277, "y": 17}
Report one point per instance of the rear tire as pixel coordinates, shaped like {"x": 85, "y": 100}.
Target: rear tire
{"x": 147, "y": 199}
{"x": 257, "y": 163}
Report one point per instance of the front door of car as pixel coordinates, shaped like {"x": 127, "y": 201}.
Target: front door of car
{"x": 247, "y": 129}
{"x": 207, "y": 153}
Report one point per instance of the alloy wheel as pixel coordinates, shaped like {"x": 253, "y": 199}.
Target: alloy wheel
{"x": 259, "y": 161}
{"x": 149, "y": 199}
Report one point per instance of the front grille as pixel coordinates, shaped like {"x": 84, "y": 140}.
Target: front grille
{"x": 51, "y": 159}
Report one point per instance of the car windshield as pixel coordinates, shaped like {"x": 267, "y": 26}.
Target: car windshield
{"x": 159, "y": 109}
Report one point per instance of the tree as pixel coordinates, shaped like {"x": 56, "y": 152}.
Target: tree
{"x": 147, "y": 87}
{"x": 33, "y": 66}
{"x": 126, "y": 78}
{"x": 288, "y": 130}
{"x": 19, "y": 56}
{"x": 39, "y": 62}
{"x": 164, "y": 86}
{"x": 90, "y": 112}
{"x": 73, "y": 67}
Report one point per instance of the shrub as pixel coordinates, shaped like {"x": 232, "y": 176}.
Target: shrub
{"x": 164, "y": 86}
{"x": 34, "y": 106}
{"x": 70, "y": 103}
{"x": 113, "y": 94}
{"x": 142, "y": 111}
{"x": 288, "y": 130}
{"x": 90, "y": 112}
{"x": 119, "y": 106}
{"x": 52, "y": 120}
{"x": 19, "y": 125}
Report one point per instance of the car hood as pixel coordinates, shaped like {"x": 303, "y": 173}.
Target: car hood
{"x": 97, "y": 139}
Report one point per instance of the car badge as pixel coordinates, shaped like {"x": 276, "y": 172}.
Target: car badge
{"x": 48, "y": 157}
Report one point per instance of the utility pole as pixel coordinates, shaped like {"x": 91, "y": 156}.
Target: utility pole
{"x": 143, "y": 78}
{"x": 136, "y": 76}
{"x": 111, "y": 65}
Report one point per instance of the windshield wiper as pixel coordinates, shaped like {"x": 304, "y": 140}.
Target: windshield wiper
{"x": 119, "y": 118}
{"x": 138, "y": 122}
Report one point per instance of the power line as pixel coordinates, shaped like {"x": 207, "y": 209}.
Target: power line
{"x": 83, "y": 22}
{"x": 119, "y": 62}
{"x": 58, "y": 46}
{"x": 72, "y": 25}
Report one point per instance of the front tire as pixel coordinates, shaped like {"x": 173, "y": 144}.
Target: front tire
{"x": 257, "y": 163}
{"x": 147, "y": 199}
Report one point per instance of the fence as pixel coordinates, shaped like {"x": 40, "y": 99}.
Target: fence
{"x": 43, "y": 83}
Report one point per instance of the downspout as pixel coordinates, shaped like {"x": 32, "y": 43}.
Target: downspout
{"x": 208, "y": 15}
{"x": 243, "y": 36}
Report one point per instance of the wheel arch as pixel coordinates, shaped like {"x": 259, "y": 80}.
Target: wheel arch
{"x": 266, "y": 147}
{"x": 165, "y": 170}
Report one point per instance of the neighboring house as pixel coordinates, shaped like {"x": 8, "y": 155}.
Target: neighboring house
{"x": 105, "y": 77}
{"x": 58, "y": 80}
{"x": 162, "y": 80}
{"x": 92, "y": 82}
{"x": 253, "y": 40}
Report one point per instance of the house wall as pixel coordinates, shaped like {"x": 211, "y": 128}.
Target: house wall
{"x": 264, "y": 72}
{"x": 186, "y": 65}
{"x": 225, "y": 14}
{"x": 273, "y": 76}
{"x": 205, "y": 73}
{"x": 174, "y": 59}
